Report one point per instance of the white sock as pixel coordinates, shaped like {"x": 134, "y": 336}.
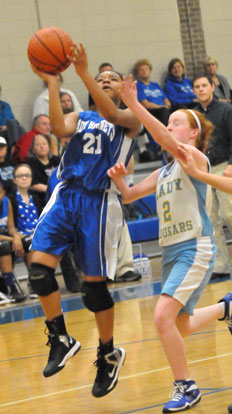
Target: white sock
{"x": 222, "y": 304}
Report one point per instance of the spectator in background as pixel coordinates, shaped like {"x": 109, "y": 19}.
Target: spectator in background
{"x": 219, "y": 152}
{"x": 42, "y": 164}
{"x": 6, "y": 167}
{"x": 154, "y": 99}
{"x": 10, "y": 242}
{"x": 103, "y": 67}
{"x": 67, "y": 107}
{"x": 66, "y": 102}
{"x": 41, "y": 104}
{"x": 10, "y": 128}
{"x": 5, "y": 114}
{"x": 177, "y": 87}
{"x": 222, "y": 89}
{"x": 41, "y": 125}
{"x": 26, "y": 211}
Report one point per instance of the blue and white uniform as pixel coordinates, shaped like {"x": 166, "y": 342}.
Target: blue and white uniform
{"x": 84, "y": 208}
{"x": 185, "y": 233}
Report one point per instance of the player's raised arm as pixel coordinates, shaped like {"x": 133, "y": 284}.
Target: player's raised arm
{"x": 60, "y": 126}
{"x": 105, "y": 91}
{"x": 129, "y": 194}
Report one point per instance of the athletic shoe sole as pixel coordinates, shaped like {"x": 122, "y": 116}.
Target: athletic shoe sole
{"x": 176, "y": 410}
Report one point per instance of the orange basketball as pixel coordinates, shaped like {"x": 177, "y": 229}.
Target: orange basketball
{"x": 47, "y": 50}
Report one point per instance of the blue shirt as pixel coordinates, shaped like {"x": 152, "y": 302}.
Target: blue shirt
{"x": 152, "y": 93}
{"x": 27, "y": 215}
{"x": 5, "y": 113}
{"x": 179, "y": 91}
{"x": 95, "y": 147}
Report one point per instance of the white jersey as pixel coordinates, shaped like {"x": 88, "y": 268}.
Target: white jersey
{"x": 183, "y": 206}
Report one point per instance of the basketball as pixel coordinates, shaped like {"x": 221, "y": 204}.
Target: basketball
{"x": 47, "y": 50}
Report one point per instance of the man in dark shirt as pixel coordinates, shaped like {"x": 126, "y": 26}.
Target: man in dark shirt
{"x": 219, "y": 152}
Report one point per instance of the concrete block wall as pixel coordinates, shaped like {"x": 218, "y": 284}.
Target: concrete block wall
{"x": 217, "y": 26}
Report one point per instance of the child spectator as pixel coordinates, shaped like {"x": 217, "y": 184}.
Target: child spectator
{"x": 26, "y": 210}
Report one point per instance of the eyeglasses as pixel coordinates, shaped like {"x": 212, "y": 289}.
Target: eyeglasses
{"x": 23, "y": 176}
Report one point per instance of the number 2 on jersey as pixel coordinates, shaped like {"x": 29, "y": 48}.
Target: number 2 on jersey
{"x": 166, "y": 211}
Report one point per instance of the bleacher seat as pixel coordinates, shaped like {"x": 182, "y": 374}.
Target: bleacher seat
{"x": 147, "y": 228}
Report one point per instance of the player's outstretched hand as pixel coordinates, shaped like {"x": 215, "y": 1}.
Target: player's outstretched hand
{"x": 79, "y": 58}
{"x": 187, "y": 161}
{"x": 117, "y": 171}
{"x": 128, "y": 91}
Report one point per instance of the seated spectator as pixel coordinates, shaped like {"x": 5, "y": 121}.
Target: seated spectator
{"x": 10, "y": 243}
{"x": 10, "y": 128}
{"x": 6, "y": 167}
{"x": 177, "y": 87}
{"x": 67, "y": 106}
{"x": 103, "y": 67}
{"x": 41, "y": 125}
{"x": 26, "y": 210}
{"x": 5, "y": 114}
{"x": 222, "y": 87}
{"x": 42, "y": 163}
{"x": 66, "y": 102}
{"x": 154, "y": 99}
{"x": 41, "y": 105}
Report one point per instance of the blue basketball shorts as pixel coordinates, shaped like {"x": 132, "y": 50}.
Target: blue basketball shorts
{"x": 89, "y": 221}
{"x": 186, "y": 270}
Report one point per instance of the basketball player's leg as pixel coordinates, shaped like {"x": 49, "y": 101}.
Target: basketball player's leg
{"x": 110, "y": 359}
{"x": 188, "y": 324}
{"x": 50, "y": 241}
{"x": 166, "y": 311}
{"x": 95, "y": 293}
{"x": 42, "y": 279}
{"x": 184, "y": 277}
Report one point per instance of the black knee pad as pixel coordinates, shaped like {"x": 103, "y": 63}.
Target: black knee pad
{"x": 26, "y": 241}
{"x": 96, "y": 296}
{"x": 42, "y": 279}
{"x": 5, "y": 248}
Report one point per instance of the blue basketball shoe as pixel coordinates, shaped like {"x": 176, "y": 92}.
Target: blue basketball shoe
{"x": 228, "y": 310}
{"x": 185, "y": 395}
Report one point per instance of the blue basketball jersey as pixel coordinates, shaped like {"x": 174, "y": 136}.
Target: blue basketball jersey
{"x": 96, "y": 146}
